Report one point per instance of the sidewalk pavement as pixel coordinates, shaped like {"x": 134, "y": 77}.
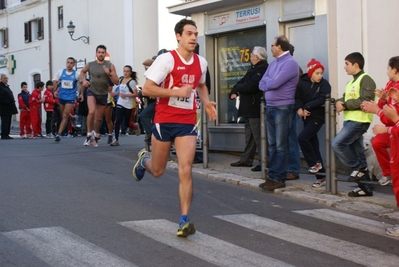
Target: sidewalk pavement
{"x": 382, "y": 204}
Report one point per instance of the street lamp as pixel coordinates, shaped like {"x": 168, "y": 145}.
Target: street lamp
{"x": 71, "y": 31}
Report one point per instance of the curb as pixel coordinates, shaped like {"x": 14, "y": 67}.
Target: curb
{"x": 303, "y": 192}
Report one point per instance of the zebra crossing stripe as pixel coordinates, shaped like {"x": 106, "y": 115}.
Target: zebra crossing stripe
{"x": 58, "y": 247}
{"x": 326, "y": 244}
{"x": 352, "y": 221}
{"x": 203, "y": 246}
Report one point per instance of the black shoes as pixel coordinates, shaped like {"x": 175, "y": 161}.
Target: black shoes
{"x": 240, "y": 164}
{"x": 6, "y": 137}
{"x": 257, "y": 168}
{"x": 360, "y": 192}
{"x": 357, "y": 175}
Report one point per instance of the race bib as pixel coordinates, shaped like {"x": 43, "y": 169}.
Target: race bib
{"x": 67, "y": 84}
{"x": 182, "y": 102}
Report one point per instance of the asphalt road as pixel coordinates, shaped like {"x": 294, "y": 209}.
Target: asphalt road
{"x": 63, "y": 204}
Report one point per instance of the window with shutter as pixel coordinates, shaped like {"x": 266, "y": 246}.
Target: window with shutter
{"x": 28, "y": 35}
{"x": 40, "y": 28}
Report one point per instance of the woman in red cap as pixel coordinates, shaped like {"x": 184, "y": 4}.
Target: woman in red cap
{"x": 309, "y": 101}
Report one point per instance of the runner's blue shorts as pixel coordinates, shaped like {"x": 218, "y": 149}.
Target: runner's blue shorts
{"x": 167, "y": 132}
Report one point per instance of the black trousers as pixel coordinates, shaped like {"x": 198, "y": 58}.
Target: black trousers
{"x": 5, "y": 125}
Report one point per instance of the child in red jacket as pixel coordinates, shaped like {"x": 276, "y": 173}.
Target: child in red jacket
{"x": 35, "y": 103}
{"x": 49, "y": 102}
{"x": 382, "y": 142}
{"x": 392, "y": 113}
{"x": 24, "y": 118}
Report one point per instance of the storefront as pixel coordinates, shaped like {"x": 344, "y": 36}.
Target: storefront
{"x": 229, "y": 34}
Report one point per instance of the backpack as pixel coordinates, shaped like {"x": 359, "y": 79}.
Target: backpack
{"x": 128, "y": 84}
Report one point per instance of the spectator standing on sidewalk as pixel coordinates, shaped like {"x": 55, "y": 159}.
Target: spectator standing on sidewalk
{"x": 294, "y": 161}
{"x": 279, "y": 85}
{"x": 7, "y": 107}
{"x": 348, "y": 143}
{"x": 310, "y": 98}
{"x": 391, "y": 112}
{"x": 247, "y": 88}
{"x": 101, "y": 73}
{"x": 382, "y": 141}
{"x": 49, "y": 102}
{"x": 25, "y": 130}
{"x": 35, "y": 104}
{"x": 175, "y": 76}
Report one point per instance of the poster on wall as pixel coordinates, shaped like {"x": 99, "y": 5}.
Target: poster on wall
{"x": 233, "y": 61}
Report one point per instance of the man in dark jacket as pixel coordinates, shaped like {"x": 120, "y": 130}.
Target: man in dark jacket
{"x": 248, "y": 90}
{"x": 7, "y": 107}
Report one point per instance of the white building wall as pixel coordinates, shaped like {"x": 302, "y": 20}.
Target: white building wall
{"x": 128, "y": 28}
{"x": 361, "y": 26}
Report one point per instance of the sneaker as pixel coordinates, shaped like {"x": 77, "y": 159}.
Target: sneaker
{"x": 114, "y": 143}
{"x": 360, "y": 192}
{"x": 357, "y": 175}
{"x": 139, "y": 168}
{"x": 48, "y": 135}
{"x": 94, "y": 141}
{"x": 316, "y": 168}
{"x": 57, "y": 138}
{"x": 109, "y": 139}
{"x": 29, "y": 136}
{"x": 23, "y": 136}
{"x": 385, "y": 180}
{"x": 319, "y": 183}
{"x": 186, "y": 229}
{"x": 393, "y": 231}
{"x": 87, "y": 141}
{"x": 40, "y": 136}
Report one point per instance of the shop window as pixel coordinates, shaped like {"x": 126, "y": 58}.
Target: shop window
{"x": 4, "y": 37}
{"x": 60, "y": 17}
{"x": 34, "y": 30}
{"x": 232, "y": 63}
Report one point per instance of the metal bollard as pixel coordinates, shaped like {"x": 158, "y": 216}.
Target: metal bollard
{"x": 328, "y": 143}
{"x": 205, "y": 143}
{"x": 333, "y": 131}
{"x": 263, "y": 137}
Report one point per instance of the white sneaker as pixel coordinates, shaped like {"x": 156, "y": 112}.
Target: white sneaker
{"x": 114, "y": 143}
{"x": 319, "y": 183}
{"x": 87, "y": 141}
{"x": 393, "y": 231}
{"x": 385, "y": 180}
{"x": 316, "y": 168}
{"x": 94, "y": 141}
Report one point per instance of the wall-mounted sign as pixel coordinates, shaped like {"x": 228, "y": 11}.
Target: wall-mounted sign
{"x": 11, "y": 64}
{"x": 236, "y": 17}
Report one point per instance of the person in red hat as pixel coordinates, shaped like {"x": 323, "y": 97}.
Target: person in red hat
{"x": 310, "y": 98}
{"x": 381, "y": 142}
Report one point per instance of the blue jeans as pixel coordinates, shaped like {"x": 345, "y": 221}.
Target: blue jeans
{"x": 294, "y": 162}
{"x": 278, "y": 126}
{"x": 349, "y": 148}
{"x": 146, "y": 118}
